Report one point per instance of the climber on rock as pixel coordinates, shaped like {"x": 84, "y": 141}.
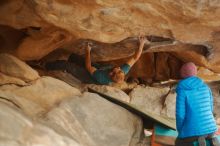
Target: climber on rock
{"x": 117, "y": 74}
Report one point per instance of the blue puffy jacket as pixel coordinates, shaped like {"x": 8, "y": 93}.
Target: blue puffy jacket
{"x": 194, "y": 108}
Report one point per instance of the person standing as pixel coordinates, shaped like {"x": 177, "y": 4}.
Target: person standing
{"x": 194, "y": 110}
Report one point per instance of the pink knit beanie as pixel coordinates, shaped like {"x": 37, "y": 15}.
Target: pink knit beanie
{"x": 188, "y": 69}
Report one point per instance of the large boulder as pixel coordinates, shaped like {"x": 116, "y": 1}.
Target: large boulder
{"x": 5, "y": 79}
{"x": 12, "y": 66}
{"x": 13, "y": 122}
{"x": 94, "y": 121}
{"x": 39, "y": 96}
{"x": 66, "y": 77}
{"x": 19, "y": 130}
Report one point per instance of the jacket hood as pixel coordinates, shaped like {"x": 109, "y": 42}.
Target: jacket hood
{"x": 190, "y": 83}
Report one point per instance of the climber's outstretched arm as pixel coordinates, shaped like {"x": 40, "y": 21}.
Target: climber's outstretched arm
{"x": 88, "y": 63}
{"x": 138, "y": 52}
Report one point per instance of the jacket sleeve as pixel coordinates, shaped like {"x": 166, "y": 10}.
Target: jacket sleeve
{"x": 180, "y": 109}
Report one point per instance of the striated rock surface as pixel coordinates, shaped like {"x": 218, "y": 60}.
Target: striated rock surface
{"x": 94, "y": 121}
{"x": 208, "y": 75}
{"x": 162, "y": 100}
{"x": 51, "y": 24}
{"x": 169, "y": 106}
{"x": 19, "y": 130}
{"x": 5, "y": 79}
{"x": 111, "y": 91}
{"x": 215, "y": 92}
{"x": 65, "y": 77}
{"x": 12, "y": 66}
{"x": 40, "y": 96}
{"x": 47, "y": 111}
{"x": 111, "y": 21}
{"x": 154, "y": 99}
{"x": 79, "y": 121}
{"x": 41, "y": 42}
{"x": 37, "y": 96}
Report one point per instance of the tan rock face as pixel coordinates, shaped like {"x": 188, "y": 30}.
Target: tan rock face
{"x": 111, "y": 21}
{"x": 12, "y": 66}
{"x": 27, "y": 132}
{"x": 52, "y": 24}
{"x": 40, "y": 96}
{"x": 66, "y": 77}
{"x": 93, "y": 120}
{"x": 156, "y": 100}
{"x": 42, "y": 42}
{"x": 111, "y": 91}
{"x": 22, "y": 86}
{"x": 4, "y": 79}
{"x": 49, "y": 112}
{"x": 215, "y": 92}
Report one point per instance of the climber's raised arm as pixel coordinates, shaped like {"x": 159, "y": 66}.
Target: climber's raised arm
{"x": 138, "y": 52}
{"x": 88, "y": 63}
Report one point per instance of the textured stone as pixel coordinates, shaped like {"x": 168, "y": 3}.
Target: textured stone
{"x": 19, "y": 14}
{"x": 66, "y": 77}
{"x": 114, "y": 20}
{"x": 144, "y": 68}
{"x": 4, "y": 142}
{"x": 217, "y": 106}
{"x": 52, "y": 24}
{"x": 19, "y": 130}
{"x": 92, "y": 120}
{"x": 40, "y": 96}
{"x": 111, "y": 91}
{"x": 174, "y": 66}
{"x": 42, "y": 135}
{"x": 10, "y": 38}
{"x": 215, "y": 92}
{"x": 167, "y": 66}
{"x": 169, "y": 107}
{"x": 218, "y": 121}
{"x": 150, "y": 99}
{"x": 208, "y": 75}
{"x": 162, "y": 68}
{"x": 40, "y": 43}
{"x": 10, "y": 115}
{"x": 4, "y": 79}
{"x": 12, "y": 66}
